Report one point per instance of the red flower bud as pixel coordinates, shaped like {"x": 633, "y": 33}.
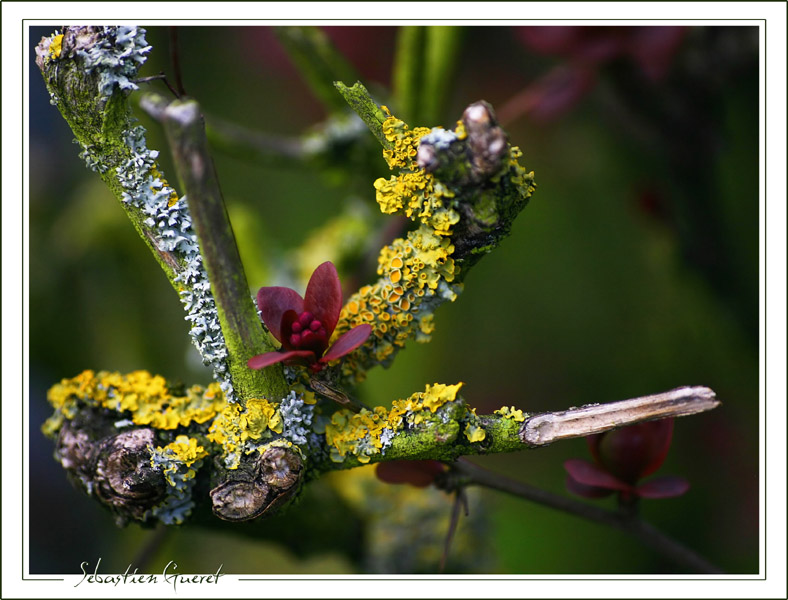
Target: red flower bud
{"x": 304, "y": 325}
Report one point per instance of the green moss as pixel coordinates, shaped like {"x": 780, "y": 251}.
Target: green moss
{"x": 484, "y": 209}
{"x": 250, "y": 383}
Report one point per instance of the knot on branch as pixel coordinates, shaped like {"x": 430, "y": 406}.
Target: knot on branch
{"x": 116, "y": 468}
{"x": 125, "y": 479}
{"x": 265, "y": 482}
{"x": 475, "y": 154}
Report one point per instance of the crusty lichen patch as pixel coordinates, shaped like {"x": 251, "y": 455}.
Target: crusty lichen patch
{"x": 241, "y": 430}
{"x": 142, "y": 399}
{"x": 179, "y": 461}
{"x": 139, "y": 397}
{"x": 413, "y": 192}
{"x": 420, "y": 271}
{"x": 510, "y": 412}
{"x": 371, "y": 431}
{"x": 416, "y": 273}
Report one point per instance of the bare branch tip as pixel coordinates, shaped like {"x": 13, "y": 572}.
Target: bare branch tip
{"x": 545, "y": 428}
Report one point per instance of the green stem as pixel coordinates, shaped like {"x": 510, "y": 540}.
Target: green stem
{"x": 441, "y": 441}
{"x": 440, "y": 57}
{"x": 360, "y": 101}
{"x": 408, "y": 74}
{"x": 423, "y": 67}
{"x": 239, "y": 321}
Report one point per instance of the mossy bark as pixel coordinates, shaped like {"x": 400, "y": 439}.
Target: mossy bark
{"x": 99, "y": 123}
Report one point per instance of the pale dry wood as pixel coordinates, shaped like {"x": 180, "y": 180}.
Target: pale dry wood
{"x": 546, "y": 428}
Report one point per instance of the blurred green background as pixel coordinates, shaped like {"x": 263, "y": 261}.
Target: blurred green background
{"x": 633, "y": 270}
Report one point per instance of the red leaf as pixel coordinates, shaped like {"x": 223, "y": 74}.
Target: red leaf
{"x": 323, "y": 297}
{"x": 668, "y": 486}
{"x": 653, "y": 48}
{"x": 551, "y": 95}
{"x": 261, "y": 361}
{"x": 586, "y": 491}
{"x": 274, "y": 302}
{"x": 347, "y": 342}
{"x": 662, "y": 432}
{"x": 419, "y": 473}
{"x": 590, "y": 474}
{"x": 633, "y": 452}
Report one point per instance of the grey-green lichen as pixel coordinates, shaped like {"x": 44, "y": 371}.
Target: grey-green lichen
{"x": 91, "y": 70}
{"x": 243, "y": 430}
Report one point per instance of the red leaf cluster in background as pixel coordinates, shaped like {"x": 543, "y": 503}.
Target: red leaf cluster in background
{"x": 585, "y": 50}
{"x": 621, "y": 458}
{"x": 418, "y": 473}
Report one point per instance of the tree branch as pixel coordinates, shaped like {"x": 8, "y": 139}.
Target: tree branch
{"x": 360, "y": 101}
{"x": 453, "y": 430}
{"x": 238, "y": 317}
{"x": 463, "y": 188}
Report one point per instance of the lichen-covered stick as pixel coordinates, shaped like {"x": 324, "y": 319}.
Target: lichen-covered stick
{"x": 89, "y": 72}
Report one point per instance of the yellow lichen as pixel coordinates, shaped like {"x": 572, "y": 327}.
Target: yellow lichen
{"x": 56, "y": 46}
{"x": 358, "y": 434}
{"x": 145, "y": 398}
{"x": 413, "y": 192}
{"x": 412, "y": 270}
{"x": 280, "y": 443}
{"x": 460, "y": 130}
{"x": 160, "y": 182}
{"x": 439, "y": 394}
{"x": 185, "y": 449}
{"x": 403, "y": 140}
{"x": 416, "y": 272}
{"x": 177, "y": 458}
{"x": 236, "y": 426}
{"x": 510, "y": 412}
{"x": 473, "y": 429}
{"x": 362, "y": 434}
